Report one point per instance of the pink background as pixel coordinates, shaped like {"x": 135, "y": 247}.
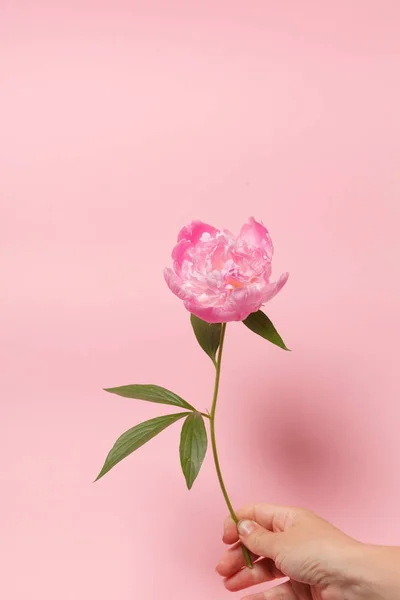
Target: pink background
{"x": 119, "y": 122}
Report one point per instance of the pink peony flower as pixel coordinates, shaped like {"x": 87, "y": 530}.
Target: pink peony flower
{"x": 221, "y": 277}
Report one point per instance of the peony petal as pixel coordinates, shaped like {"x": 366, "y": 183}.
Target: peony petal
{"x": 206, "y": 314}
{"x": 245, "y": 301}
{"x": 193, "y": 231}
{"x": 238, "y": 306}
{"x": 175, "y": 284}
{"x": 255, "y": 234}
{"x": 180, "y": 253}
{"x": 214, "y": 314}
{"x": 272, "y": 289}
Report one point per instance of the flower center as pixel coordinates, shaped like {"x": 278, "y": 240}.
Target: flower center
{"x": 233, "y": 284}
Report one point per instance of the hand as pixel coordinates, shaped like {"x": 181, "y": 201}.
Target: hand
{"x": 321, "y": 562}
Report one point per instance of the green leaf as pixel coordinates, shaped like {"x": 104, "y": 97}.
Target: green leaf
{"x": 261, "y": 324}
{"x": 207, "y": 334}
{"x": 151, "y": 393}
{"x": 193, "y": 447}
{"x": 134, "y": 438}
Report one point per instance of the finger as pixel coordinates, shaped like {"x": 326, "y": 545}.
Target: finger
{"x": 232, "y": 561}
{"x": 230, "y": 535}
{"x": 262, "y": 571}
{"x": 284, "y": 591}
{"x": 269, "y": 516}
{"x": 258, "y": 540}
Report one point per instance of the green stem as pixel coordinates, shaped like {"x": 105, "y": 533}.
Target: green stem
{"x": 214, "y": 444}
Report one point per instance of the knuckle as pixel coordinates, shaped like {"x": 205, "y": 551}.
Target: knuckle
{"x": 258, "y": 540}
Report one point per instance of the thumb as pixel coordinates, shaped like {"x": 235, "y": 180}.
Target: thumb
{"x": 258, "y": 540}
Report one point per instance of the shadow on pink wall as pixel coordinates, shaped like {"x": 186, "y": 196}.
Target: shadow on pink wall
{"x": 306, "y": 435}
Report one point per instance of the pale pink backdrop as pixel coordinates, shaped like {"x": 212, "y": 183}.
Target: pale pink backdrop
{"x": 119, "y": 122}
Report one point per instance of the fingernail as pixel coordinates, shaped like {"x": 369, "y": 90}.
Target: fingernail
{"x": 246, "y": 527}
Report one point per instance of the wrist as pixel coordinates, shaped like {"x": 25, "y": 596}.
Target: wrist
{"x": 374, "y": 572}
